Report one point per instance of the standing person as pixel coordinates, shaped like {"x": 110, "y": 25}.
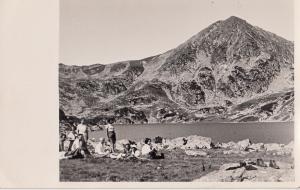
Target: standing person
{"x": 111, "y": 135}
{"x": 82, "y": 130}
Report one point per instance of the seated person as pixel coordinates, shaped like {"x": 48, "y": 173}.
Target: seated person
{"x": 127, "y": 153}
{"x": 76, "y": 149}
{"x": 101, "y": 148}
{"x": 130, "y": 151}
{"x": 127, "y": 150}
{"x": 134, "y": 151}
{"x": 149, "y": 151}
{"x": 62, "y": 139}
{"x": 71, "y": 138}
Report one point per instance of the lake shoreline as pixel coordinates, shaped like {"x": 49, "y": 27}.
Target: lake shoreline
{"x": 276, "y": 132}
{"x": 206, "y": 122}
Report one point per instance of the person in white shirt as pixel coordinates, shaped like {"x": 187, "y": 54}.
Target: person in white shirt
{"x": 77, "y": 144}
{"x": 82, "y": 130}
{"x": 149, "y": 151}
{"x": 101, "y": 148}
{"x": 111, "y": 135}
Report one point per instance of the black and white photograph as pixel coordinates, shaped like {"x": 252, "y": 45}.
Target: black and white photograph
{"x": 176, "y": 91}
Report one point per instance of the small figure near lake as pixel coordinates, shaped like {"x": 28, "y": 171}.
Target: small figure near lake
{"x": 111, "y": 135}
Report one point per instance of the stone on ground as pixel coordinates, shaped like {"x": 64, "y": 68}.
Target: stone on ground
{"x": 196, "y": 153}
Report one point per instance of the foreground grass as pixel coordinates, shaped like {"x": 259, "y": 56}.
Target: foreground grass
{"x": 177, "y": 166}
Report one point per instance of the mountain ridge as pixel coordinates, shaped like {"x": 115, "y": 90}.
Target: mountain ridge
{"x": 204, "y": 78}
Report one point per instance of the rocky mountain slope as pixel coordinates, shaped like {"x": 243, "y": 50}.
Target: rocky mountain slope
{"x": 230, "y": 71}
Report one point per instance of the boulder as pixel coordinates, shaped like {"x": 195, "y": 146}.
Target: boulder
{"x": 237, "y": 174}
{"x": 174, "y": 143}
{"x": 242, "y": 145}
{"x": 290, "y": 145}
{"x": 229, "y": 166}
{"x": 190, "y": 142}
{"x": 269, "y": 175}
{"x": 196, "y": 153}
{"x": 197, "y": 142}
{"x": 289, "y": 148}
{"x": 256, "y": 147}
{"x": 280, "y": 149}
{"x": 230, "y": 145}
{"x": 273, "y": 146}
{"x": 223, "y": 176}
{"x": 284, "y": 165}
{"x": 281, "y": 153}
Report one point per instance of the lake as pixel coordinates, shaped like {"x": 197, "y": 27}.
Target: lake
{"x": 265, "y": 132}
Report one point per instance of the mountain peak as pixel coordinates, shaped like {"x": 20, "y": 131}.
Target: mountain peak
{"x": 234, "y": 21}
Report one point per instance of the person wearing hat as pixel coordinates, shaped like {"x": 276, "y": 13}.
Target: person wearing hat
{"x": 134, "y": 151}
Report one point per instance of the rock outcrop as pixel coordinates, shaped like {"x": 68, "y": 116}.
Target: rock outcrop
{"x": 233, "y": 172}
{"x": 190, "y": 142}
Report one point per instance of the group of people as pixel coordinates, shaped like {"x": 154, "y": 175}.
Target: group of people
{"x": 79, "y": 140}
{"x": 104, "y": 149}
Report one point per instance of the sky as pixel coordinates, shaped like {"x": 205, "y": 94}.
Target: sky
{"x": 108, "y": 31}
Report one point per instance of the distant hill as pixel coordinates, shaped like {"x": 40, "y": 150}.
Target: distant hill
{"x": 230, "y": 71}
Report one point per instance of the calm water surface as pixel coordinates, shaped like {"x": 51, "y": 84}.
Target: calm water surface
{"x": 277, "y": 132}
